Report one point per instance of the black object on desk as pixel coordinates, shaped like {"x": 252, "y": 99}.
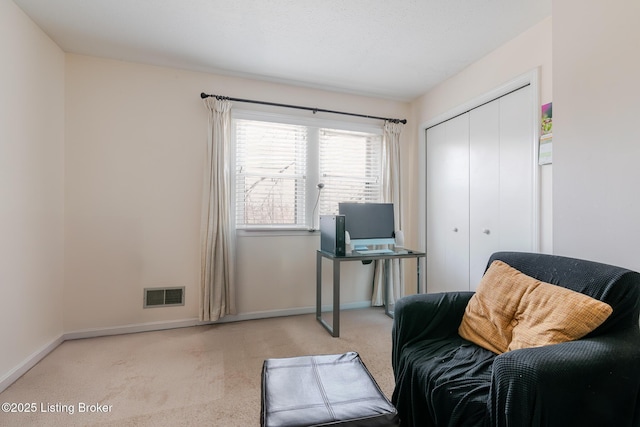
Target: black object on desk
{"x": 334, "y": 329}
{"x": 332, "y": 234}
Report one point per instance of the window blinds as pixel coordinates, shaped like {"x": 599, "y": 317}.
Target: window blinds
{"x": 278, "y": 164}
{"x": 270, "y": 173}
{"x": 350, "y": 168}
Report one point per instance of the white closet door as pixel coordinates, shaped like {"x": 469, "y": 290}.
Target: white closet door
{"x": 516, "y": 172}
{"x": 484, "y": 184}
{"x": 480, "y": 190}
{"x": 501, "y": 179}
{"x": 448, "y": 206}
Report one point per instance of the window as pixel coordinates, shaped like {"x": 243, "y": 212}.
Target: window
{"x": 350, "y": 168}
{"x": 280, "y": 160}
{"x": 270, "y": 173}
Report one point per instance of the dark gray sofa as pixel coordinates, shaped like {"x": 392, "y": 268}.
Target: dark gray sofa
{"x": 444, "y": 380}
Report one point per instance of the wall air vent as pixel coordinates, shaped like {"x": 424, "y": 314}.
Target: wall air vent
{"x": 163, "y": 297}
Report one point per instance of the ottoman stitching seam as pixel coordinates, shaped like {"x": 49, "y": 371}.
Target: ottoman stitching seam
{"x": 321, "y": 387}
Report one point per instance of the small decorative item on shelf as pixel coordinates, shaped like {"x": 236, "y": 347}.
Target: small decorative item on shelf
{"x": 545, "y": 154}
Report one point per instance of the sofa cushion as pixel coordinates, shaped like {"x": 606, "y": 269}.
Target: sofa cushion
{"x": 511, "y": 310}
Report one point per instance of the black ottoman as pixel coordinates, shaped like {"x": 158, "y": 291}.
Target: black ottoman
{"x": 335, "y": 390}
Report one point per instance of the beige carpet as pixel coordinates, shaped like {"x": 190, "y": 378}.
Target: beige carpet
{"x": 204, "y": 375}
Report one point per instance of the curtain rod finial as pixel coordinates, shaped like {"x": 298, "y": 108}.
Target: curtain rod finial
{"x": 203, "y": 95}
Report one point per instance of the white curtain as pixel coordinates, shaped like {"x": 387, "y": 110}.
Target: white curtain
{"x": 390, "y": 194}
{"x": 217, "y": 296}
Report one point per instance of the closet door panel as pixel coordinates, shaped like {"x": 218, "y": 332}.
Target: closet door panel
{"x": 516, "y": 164}
{"x": 484, "y": 181}
{"x": 480, "y": 190}
{"x": 448, "y": 206}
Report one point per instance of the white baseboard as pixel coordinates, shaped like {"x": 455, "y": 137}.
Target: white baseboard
{"x": 185, "y": 323}
{"x": 29, "y": 363}
{"x": 37, "y": 356}
{"x": 287, "y": 312}
{"x": 130, "y": 329}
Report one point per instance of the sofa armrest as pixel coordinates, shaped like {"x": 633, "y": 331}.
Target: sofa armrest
{"x": 575, "y": 383}
{"x": 426, "y": 316}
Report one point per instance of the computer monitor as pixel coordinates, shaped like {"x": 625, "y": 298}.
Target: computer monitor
{"x": 369, "y": 223}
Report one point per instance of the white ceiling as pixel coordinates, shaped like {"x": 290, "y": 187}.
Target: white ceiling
{"x": 394, "y": 49}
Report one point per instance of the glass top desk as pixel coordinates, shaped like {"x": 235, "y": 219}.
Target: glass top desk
{"x": 334, "y": 329}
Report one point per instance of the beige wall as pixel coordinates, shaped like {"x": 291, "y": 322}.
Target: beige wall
{"x": 31, "y": 189}
{"x": 530, "y": 50}
{"x": 101, "y": 177}
{"x": 136, "y": 137}
{"x": 596, "y": 133}
{"x": 527, "y": 51}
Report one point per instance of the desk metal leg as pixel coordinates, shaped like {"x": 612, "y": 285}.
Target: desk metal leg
{"x": 386, "y": 299}
{"x": 336, "y": 299}
{"x": 318, "y": 286}
{"x": 334, "y": 329}
{"x": 418, "y": 272}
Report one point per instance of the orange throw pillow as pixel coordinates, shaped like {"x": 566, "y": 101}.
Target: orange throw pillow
{"x": 511, "y": 310}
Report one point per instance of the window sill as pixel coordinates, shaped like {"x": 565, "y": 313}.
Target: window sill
{"x": 272, "y": 232}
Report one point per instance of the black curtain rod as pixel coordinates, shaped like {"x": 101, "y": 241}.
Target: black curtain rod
{"x": 315, "y": 110}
